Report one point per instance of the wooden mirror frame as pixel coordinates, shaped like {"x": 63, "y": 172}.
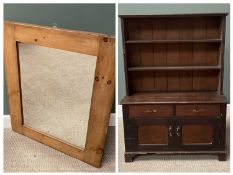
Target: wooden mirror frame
{"x": 99, "y": 45}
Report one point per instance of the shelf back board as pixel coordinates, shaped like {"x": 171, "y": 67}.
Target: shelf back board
{"x": 173, "y": 53}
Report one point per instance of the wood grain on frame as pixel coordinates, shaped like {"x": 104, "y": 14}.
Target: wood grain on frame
{"x": 12, "y": 77}
{"x": 103, "y": 93}
{"x": 102, "y": 46}
{"x": 53, "y": 142}
{"x": 75, "y": 41}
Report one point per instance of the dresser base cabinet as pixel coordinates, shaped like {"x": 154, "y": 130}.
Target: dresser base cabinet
{"x": 174, "y": 101}
{"x": 201, "y": 132}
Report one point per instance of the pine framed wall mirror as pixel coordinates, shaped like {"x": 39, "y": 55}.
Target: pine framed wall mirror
{"x": 60, "y": 85}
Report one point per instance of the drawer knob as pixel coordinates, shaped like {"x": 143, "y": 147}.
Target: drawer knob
{"x": 198, "y": 110}
{"x": 151, "y": 111}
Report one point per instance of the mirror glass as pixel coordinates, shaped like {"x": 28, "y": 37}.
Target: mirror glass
{"x": 56, "y": 91}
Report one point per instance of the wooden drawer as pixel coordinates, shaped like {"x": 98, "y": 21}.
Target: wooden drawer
{"x": 208, "y": 110}
{"x": 150, "y": 111}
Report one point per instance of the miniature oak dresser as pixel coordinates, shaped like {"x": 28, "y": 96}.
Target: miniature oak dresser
{"x": 174, "y": 101}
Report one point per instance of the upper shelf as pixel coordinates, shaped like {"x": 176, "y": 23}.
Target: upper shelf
{"x": 174, "y": 41}
{"x": 172, "y": 68}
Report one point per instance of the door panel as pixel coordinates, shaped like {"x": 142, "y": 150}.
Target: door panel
{"x": 153, "y": 134}
{"x": 193, "y": 134}
{"x": 197, "y": 134}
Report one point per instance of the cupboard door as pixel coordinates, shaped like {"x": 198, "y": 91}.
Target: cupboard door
{"x": 197, "y": 134}
{"x": 153, "y": 134}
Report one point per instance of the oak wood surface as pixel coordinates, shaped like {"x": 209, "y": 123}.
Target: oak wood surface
{"x": 197, "y": 134}
{"x": 150, "y": 111}
{"x": 174, "y": 60}
{"x": 199, "y": 110}
{"x": 176, "y": 97}
{"x": 174, "y": 41}
{"x": 159, "y": 136}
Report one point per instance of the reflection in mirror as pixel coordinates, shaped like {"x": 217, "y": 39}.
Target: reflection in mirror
{"x": 56, "y": 91}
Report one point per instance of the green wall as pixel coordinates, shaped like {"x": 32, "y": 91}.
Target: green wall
{"x": 98, "y": 18}
{"x": 128, "y": 9}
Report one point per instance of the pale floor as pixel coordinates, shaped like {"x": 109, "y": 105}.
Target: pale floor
{"x": 22, "y": 154}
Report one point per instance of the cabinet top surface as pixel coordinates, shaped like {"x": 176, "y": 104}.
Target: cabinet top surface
{"x": 180, "y": 97}
{"x": 172, "y": 15}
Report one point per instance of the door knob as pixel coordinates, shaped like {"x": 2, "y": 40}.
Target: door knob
{"x": 178, "y": 131}
{"x": 170, "y": 131}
